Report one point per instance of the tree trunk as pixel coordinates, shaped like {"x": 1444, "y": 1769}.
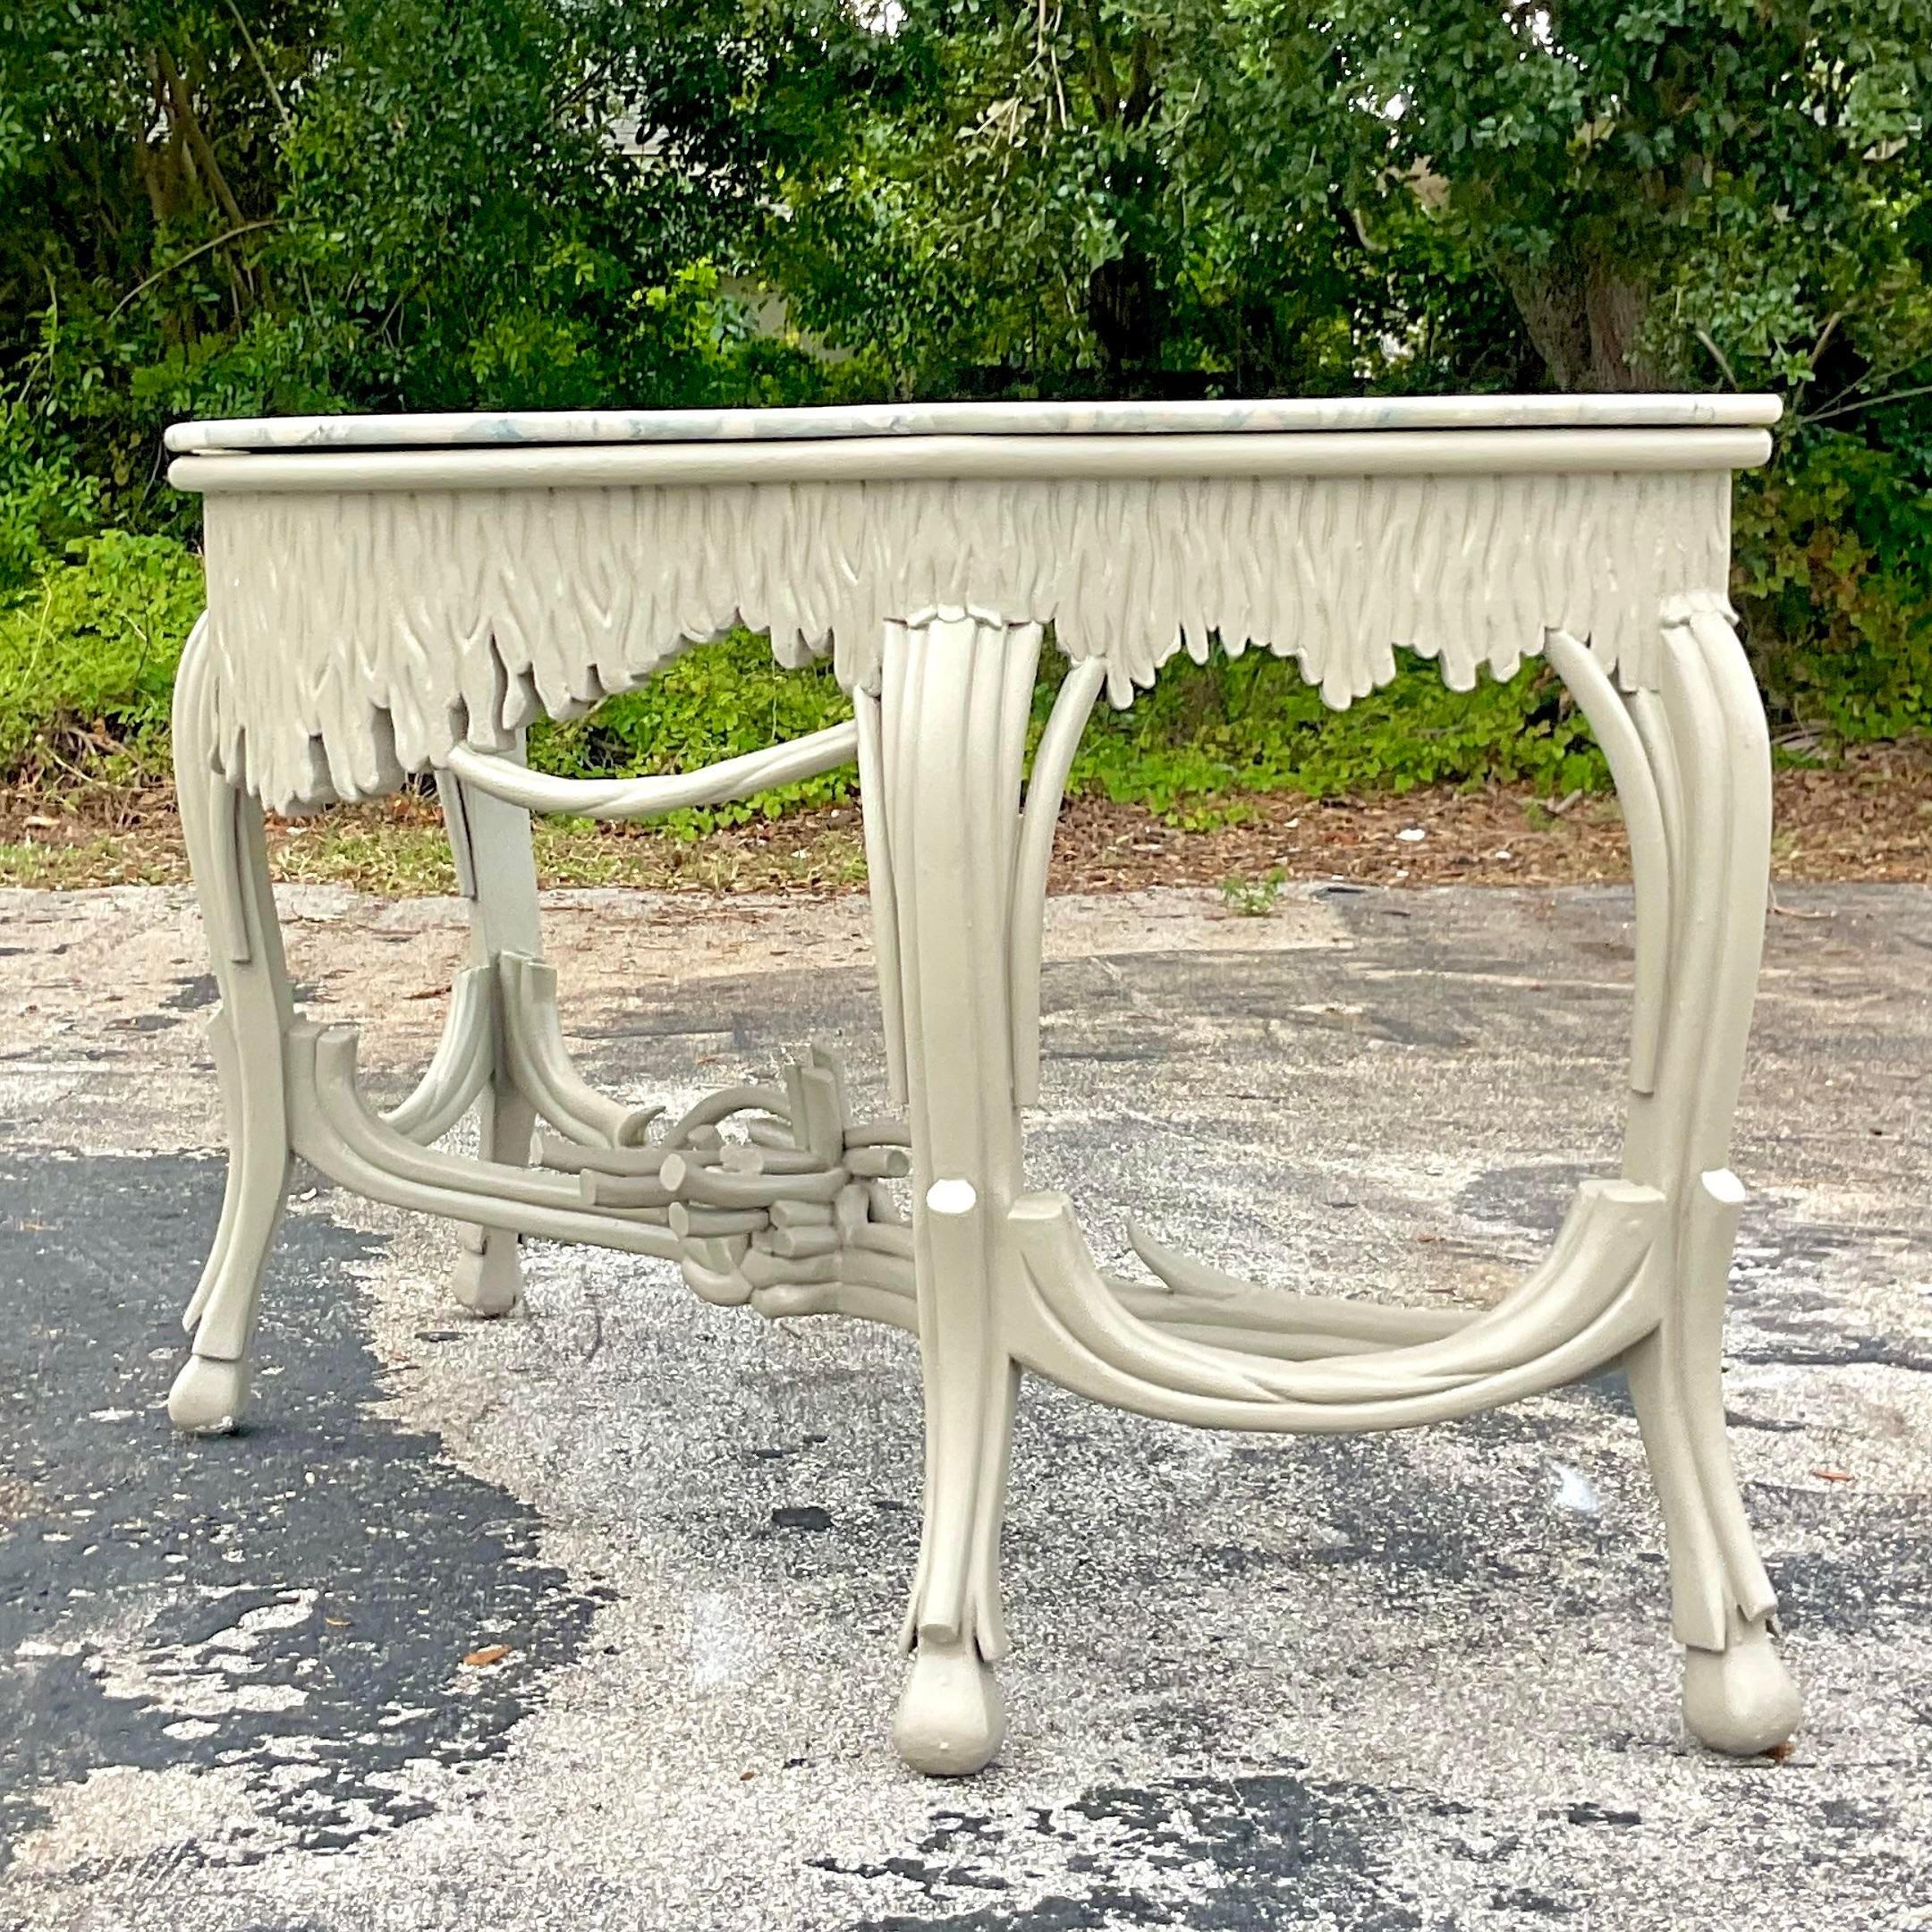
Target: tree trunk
{"x": 1586, "y": 320}
{"x": 1124, "y": 309}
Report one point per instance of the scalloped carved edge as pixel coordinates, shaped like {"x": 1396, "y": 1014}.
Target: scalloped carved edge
{"x": 394, "y": 626}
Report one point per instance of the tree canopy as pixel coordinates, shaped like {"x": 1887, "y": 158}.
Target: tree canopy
{"x": 253, "y": 205}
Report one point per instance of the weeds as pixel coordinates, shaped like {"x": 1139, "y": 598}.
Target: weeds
{"x": 1253, "y": 898}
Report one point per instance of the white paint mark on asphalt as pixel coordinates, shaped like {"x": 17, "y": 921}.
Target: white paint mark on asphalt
{"x": 1573, "y": 1491}
{"x": 204, "y": 1680}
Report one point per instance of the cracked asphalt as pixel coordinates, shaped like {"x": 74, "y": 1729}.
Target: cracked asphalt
{"x": 1420, "y": 1681}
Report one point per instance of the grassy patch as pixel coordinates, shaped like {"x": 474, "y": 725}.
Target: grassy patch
{"x": 87, "y": 650}
{"x": 399, "y": 861}
{"x": 401, "y": 851}
{"x": 113, "y": 859}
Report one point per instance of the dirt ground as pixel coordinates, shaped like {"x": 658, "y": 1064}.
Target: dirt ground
{"x": 1866, "y": 819}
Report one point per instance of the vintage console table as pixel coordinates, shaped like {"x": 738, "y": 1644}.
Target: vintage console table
{"x": 389, "y": 596}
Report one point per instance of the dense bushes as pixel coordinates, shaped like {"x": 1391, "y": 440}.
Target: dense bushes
{"x": 87, "y": 660}
{"x": 1834, "y": 576}
{"x": 234, "y": 206}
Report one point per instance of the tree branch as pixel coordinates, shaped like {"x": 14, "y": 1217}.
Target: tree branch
{"x": 1852, "y": 409}
{"x": 182, "y": 113}
{"x": 261, "y": 67}
{"x": 1718, "y": 355}
{"x": 181, "y": 261}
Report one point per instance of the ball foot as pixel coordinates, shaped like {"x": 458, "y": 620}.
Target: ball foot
{"x": 1741, "y": 1701}
{"x": 489, "y": 1282}
{"x": 951, "y": 1716}
{"x": 208, "y": 1397}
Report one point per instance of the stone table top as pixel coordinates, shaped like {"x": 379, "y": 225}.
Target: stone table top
{"x": 1273, "y": 416}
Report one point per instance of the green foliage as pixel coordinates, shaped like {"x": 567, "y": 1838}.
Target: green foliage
{"x": 1204, "y": 734}
{"x": 1016, "y": 199}
{"x": 1190, "y": 750}
{"x": 243, "y": 207}
{"x": 1253, "y": 898}
{"x": 1671, "y": 191}
{"x": 252, "y": 207}
{"x": 87, "y": 660}
{"x": 717, "y": 702}
{"x": 45, "y": 501}
{"x": 1835, "y": 558}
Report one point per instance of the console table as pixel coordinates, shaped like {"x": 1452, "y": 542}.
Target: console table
{"x": 404, "y": 594}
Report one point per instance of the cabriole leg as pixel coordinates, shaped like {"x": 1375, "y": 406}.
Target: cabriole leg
{"x": 496, "y": 872}
{"x": 941, "y": 746}
{"x": 223, "y": 830}
{"x": 1695, "y": 777}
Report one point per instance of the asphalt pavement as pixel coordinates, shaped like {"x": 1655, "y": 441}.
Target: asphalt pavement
{"x": 1418, "y": 1680}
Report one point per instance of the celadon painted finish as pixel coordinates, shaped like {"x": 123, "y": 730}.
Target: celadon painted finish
{"x": 402, "y": 596}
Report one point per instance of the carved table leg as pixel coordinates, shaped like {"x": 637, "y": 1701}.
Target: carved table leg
{"x": 1692, "y": 766}
{"x": 941, "y": 745}
{"x": 223, "y": 830}
{"x": 490, "y": 840}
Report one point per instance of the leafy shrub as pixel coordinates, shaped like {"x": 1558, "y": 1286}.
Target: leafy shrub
{"x": 1252, "y": 724}
{"x": 88, "y": 652}
{"x": 1204, "y": 734}
{"x": 717, "y": 702}
{"x": 45, "y": 500}
{"x": 1834, "y": 577}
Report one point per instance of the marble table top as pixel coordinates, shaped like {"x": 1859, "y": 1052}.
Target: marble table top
{"x": 553, "y": 428}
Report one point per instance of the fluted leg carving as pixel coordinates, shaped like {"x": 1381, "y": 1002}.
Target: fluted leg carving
{"x": 1692, "y": 766}
{"x": 943, "y": 741}
{"x": 223, "y": 830}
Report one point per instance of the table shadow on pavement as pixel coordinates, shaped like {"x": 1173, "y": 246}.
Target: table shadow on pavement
{"x": 290, "y": 1603}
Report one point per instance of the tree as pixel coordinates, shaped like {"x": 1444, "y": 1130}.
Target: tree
{"x": 1037, "y": 196}
{"x": 230, "y": 207}
{"x": 1687, "y": 192}
{"x": 1250, "y": 193}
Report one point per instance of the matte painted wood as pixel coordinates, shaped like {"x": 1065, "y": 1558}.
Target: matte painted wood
{"x": 388, "y": 596}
